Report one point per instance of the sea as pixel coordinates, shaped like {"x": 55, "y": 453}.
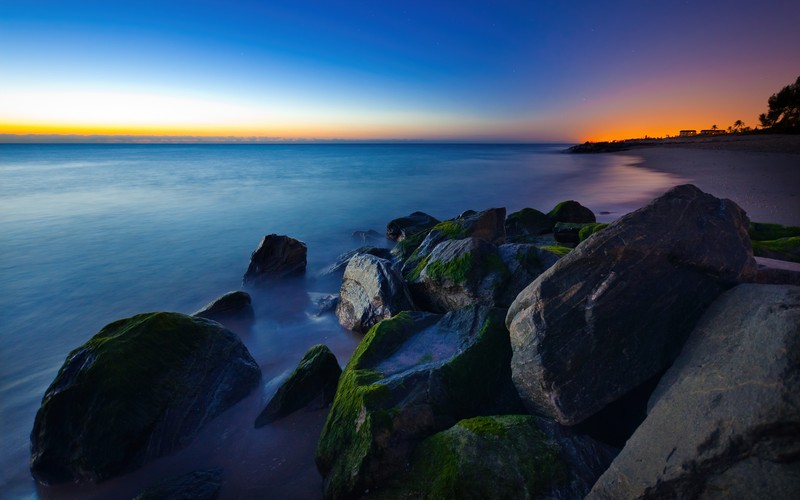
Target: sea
{"x": 92, "y": 233}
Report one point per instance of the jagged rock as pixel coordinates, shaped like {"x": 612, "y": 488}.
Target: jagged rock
{"x": 571, "y": 211}
{"x": 458, "y": 273}
{"x": 276, "y": 257}
{"x": 403, "y": 227}
{"x": 411, "y": 376}
{"x": 314, "y": 380}
{"x": 233, "y": 305}
{"x": 337, "y": 268}
{"x": 616, "y": 310}
{"x": 488, "y": 225}
{"x": 372, "y": 290}
{"x": 139, "y": 389}
{"x": 196, "y": 485}
{"x": 509, "y": 456}
{"x": 725, "y": 419}
{"x": 526, "y": 223}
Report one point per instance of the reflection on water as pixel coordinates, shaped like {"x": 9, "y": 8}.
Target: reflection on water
{"x": 93, "y": 233}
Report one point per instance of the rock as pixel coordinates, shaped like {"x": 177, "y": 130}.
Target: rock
{"x": 403, "y": 227}
{"x": 725, "y": 419}
{"x": 139, "y": 389}
{"x": 458, "y": 273}
{"x": 616, "y": 310}
{"x": 314, "y": 379}
{"x": 372, "y": 290}
{"x": 196, "y": 485}
{"x": 233, "y": 305}
{"x": 589, "y": 229}
{"x": 411, "y": 376}
{"x": 527, "y": 222}
{"x": 571, "y": 211}
{"x": 276, "y": 257}
{"x": 488, "y": 225}
{"x": 762, "y": 231}
{"x": 509, "y": 456}
{"x": 524, "y": 263}
{"x": 787, "y": 249}
{"x": 326, "y": 303}
{"x": 337, "y": 268}
{"x": 568, "y": 232}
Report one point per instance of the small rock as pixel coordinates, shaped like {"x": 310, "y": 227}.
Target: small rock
{"x": 233, "y": 305}
{"x": 276, "y": 257}
{"x": 314, "y": 379}
{"x": 403, "y": 227}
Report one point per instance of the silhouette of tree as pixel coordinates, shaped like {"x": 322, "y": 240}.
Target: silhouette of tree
{"x": 714, "y": 127}
{"x": 784, "y": 108}
{"x": 738, "y": 125}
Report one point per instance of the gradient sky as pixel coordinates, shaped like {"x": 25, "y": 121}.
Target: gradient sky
{"x": 466, "y": 70}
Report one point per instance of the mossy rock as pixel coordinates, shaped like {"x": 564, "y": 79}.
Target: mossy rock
{"x": 483, "y": 457}
{"x": 403, "y": 227}
{"x": 782, "y": 249}
{"x": 314, "y": 379}
{"x": 571, "y": 211}
{"x": 528, "y": 222}
{"x": 569, "y": 232}
{"x": 559, "y": 250}
{"x": 139, "y": 389}
{"x": 589, "y": 229}
{"x": 762, "y": 231}
{"x": 411, "y": 376}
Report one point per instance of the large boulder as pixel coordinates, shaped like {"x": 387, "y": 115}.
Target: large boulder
{"x": 372, "y": 290}
{"x": 411, "y": 376}
{"x": 509, "y": 456}
{"x": 276, "y": 257}
{"x": 139, "y": 389}
{"x": 231, "y": 306}
{"x": 725, "y": 419}
{"x": 524, "y": 262}
{"x": 403, "y": 227}
{"x": 616, "y": 310}
{"x": 314, "y": 380}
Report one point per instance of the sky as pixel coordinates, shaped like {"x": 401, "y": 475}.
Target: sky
{"x": 518, "y": 71}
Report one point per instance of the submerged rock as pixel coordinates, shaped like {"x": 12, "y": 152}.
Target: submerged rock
{"x": 139, "y": 389}
{"x": 372, "y": 290}
{"x": 314, "y": 380}
{"x": 403, "y": 227}
{"x": 616, "y": 310}
{"x": 276, "y": 257}
{"x": 196, "y": 485}
{"x": 233, "y": 305}
{"x": 509, "y": 456}
{"x": 411, "y": 376}
{"x": 724, "y": 420}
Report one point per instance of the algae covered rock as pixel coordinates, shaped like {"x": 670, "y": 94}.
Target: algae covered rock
{"x": 411, "y": 376}
{"x": 231, "y": 306}
{"x": 403, "y": 227}
{"x": 139, "y": 389}
{"x": 724, "y": 420}
{"x": 589, "y": 229}
{"x": 372, "y": 290}
{"x": 616, "y": 310}
{"x": 527, "y": 223}
{"x": 571, "y": 211}
{"x": 509, "y": 456}
{"x": 276, "y": 257}
{"x": 314, "y": 380}
{"x": 196, "y": 485}
{"x": 782, "y": 249}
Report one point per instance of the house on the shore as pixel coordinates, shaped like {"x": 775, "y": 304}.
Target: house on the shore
{"x": 712, "y": 131}
{"x": 687, "y": 133}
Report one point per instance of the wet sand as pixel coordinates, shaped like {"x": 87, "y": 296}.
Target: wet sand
{"x": 761, "y": 174}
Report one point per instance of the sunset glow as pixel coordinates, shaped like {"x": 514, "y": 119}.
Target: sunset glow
{"x": 512, "y": 72}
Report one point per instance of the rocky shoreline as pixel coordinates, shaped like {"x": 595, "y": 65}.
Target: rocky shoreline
{"x": 495, "y": 348}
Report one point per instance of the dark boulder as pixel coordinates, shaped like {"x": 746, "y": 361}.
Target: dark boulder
{"x": 139, "y": 389}
{"x": 411, "y": 376}
{"x": 313, "y": 381}
{"x": 196, "y": 485}
{"x": 616, "y": 310}
{"x": 403, "y": 227}
{"x": 571, "y": 211}
{"x": 568, "y": 232}
{"x": 725, "y": 419}
{"x": 276, "y": 257}
{"x": 524, "y": 263}
{"x": 509, "y": 456}
{"x": 526, "y": 223}
{"x": 233, "y": 305}
{"x": 372, "y": 290}
{"x": 337, "y": 268}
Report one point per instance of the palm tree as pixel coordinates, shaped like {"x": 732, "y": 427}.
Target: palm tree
{"x": 714, "y": 127}
{"x": 738, "y": 125}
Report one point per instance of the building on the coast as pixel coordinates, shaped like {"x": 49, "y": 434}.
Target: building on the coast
{"x": 712, "y": 131}
{"x": 687, "y": 133}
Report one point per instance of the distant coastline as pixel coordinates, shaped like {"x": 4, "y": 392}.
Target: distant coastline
{"x": 754, "y": 142}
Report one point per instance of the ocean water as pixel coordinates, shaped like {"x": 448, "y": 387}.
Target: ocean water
{"x": 93, "y": 233}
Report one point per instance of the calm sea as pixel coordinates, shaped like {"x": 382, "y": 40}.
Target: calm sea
{"x": 94, "y": 233}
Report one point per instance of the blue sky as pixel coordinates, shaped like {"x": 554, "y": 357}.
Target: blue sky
{"x": 533, "y": 70}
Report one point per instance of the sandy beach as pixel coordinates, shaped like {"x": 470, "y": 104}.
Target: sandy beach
{"x": 760, "y": 173}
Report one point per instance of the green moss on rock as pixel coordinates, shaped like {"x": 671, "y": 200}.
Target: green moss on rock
{"x": 782, "y": 249}
{"x": 761, "y": 231}
{"x": 557, "y": 249}
{"x": 589, "y": 229}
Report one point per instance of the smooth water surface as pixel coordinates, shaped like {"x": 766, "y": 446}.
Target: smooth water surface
{"x": 93, "y": 233}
